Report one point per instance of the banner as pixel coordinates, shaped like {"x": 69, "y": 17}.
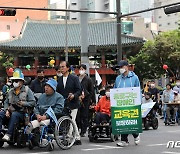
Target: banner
{"x": 125, "y": 96}
{"x": 126, "y": 120}
{"x": 146, "y": 108}
{"x": 98, "y": 78}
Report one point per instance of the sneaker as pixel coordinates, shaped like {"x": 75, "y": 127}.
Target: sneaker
{"x": 77, "y": 142}
{"x": 137, "y": 140}
{"x": 1, "y": 134}
{"x": 122, "y": 144}
{"x": 6, "y": 137}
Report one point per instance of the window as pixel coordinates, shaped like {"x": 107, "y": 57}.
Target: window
{"x": 168, "y": 23}
{"x": 73, "y": 3}
{"x": 8, "y": 27}
{"x": 160, "y": 25}
{"x": 73, "y": 18}
{"x": 159, "y": 16}
{"x": 147, "y": 25}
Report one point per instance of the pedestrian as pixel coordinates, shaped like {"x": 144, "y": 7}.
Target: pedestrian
{"x": 127, "y": 79}
{"x": 177, "y": 86}
{"x": 18, "y": 99}
{"x": 6, "y": 89}
{"x": 87, "y": 97}
{"x": 38, "y": 84}
{"x": 70, "y": 88}
{"x": 48, "y": 99}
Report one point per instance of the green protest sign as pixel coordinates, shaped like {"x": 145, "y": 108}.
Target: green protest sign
{"x": 126, "y": 120}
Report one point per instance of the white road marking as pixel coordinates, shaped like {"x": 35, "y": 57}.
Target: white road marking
{"x": 101, "y": 147}
{"x": 173, "y": 131}
{"x": 37, "y": 153}
{"x": 152, "y": 145}
{"x": 168, "y": 152}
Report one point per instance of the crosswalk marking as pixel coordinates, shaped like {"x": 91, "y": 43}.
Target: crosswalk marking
{"x": 100, "y": 147}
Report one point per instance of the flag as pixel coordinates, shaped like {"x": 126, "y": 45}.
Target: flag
{"x": 50, "y": 112}
{"x": 98, "y": 78}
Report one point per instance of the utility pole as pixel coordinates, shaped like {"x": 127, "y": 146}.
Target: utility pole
{"x": 119, "y": 42}
{"x": 84, "y": 34}
{"x": 66, "y": 37}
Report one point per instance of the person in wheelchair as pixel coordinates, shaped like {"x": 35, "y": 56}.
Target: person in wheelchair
{"x": 147, "y": 98}
{"x": 103, "y": 109}
{"x": 18, "y": 100}
{"x": 173, "y": 108}
{"x": 48, "y": 99}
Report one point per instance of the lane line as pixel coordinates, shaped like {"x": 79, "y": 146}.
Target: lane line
{"x": 151, "y": 145}
{"x": 101, "y": 147}
{"x": 168, "y": 152}
{"x": 36, "y": 153}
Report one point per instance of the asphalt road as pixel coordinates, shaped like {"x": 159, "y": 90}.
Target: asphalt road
{"x": 152, "y": 142}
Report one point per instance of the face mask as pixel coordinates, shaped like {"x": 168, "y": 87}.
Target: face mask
{"x": 152, "y": 85}
{"x": 122, "y": 70}
{"x": 81, "y": 72}
{"x": 40, "y": 77}
{"x": 9, "y": 83}
{"x": 178, "y": 83}
{"x": 16, "y": 84}
{"x": 108, "y": 94}
{"x": 59, "y": 74}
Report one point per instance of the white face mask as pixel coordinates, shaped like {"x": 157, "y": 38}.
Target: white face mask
{"x": 178, "y": 83}
{"x": 108, "y": 94}
{"x": 122, "y": 70}
{"x": 59, "y": 74}
{"x": 9, "y": 83}
{"x": 15, "y": 84}
{"x": 81, "y": 72}
{"x": 152, "y": 85}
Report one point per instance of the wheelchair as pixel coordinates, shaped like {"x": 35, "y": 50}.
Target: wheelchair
{"x": 63, "y": 132}
{"x": 150, "y": 120}
{"x": 102, "y": 131}
{"x": 171, "y": 120}
{"x": 18, "y": 136}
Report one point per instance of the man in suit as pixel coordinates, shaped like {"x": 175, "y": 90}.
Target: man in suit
{"x": 69, "y": 86}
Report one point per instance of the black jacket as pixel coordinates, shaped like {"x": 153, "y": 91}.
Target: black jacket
{"x": 72, "y": 86}
{"x": 37, "y": 86}
{"x": 88, "y": 88}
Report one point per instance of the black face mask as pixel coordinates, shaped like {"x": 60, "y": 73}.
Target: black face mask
{"x": 40, "y": 77}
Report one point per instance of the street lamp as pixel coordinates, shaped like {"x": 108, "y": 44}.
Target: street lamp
{"x": 66, "y": 37}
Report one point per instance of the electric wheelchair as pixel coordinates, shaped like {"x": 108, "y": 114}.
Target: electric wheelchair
{"x": 102, "y": 131}
{"x": 62, "y": 131}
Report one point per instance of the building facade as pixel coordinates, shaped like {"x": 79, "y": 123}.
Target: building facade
{"x": 165, "y": 22}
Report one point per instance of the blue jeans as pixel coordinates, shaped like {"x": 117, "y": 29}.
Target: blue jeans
{"x": 15, "y": 118}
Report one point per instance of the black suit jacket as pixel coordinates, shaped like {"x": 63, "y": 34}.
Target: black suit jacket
{"x": 72, "y": 86}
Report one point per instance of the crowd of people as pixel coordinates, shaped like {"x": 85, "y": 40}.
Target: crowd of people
{"x": 78, "y": 94}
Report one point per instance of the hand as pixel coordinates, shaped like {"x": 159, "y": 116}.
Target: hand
{"x": 70, "y": 96}
{"x": 8, "y": 114}
{"x": 38, "y": 117}
{"x": 20, "y": 103}
{"x": 91, "y": 107}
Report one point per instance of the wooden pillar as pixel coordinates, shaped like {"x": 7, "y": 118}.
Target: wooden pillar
{"x": 16, "y": 61}
{"x": 36, "y": 61}
{"x": 57, "y": 60}
{"x": 103, "y": 79}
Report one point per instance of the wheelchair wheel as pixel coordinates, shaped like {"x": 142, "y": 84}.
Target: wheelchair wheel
{"x": 155, "y": 123}
{"x": 1, "y": 143}
{"x": 21, "y": 141}
{"x": 65, "y": 132}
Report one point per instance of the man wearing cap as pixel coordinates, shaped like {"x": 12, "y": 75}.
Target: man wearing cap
{"x": 48, "y": 99}
{"x": 126, "y": 79}
{"x": 18, "y": 99}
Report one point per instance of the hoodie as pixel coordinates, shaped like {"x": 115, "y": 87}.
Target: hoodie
{"x": 131, "y": 80}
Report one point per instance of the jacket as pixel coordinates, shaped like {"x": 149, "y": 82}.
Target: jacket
{"x": 72, "y": 86}
{"x": 56, "y": 101}
{"x": 25, "y": 95}
{"x": 131, "y": 80}
{"x": 103, "y": 106}
{"x": 37, "y": 86}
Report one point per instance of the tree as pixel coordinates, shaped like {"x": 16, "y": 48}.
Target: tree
{"x": 165, "y": 49}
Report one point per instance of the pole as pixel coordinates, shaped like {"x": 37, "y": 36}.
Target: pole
{"x": 66, "y": 38}
{"x": 119, "y": 42}
{"x": 84, "y": 34}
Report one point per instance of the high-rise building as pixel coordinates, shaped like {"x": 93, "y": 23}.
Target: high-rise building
{"x": 165, "y": 22}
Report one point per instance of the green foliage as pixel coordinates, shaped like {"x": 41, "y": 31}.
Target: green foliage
{"x": 6, "y": 61}
{"x": 165, "y": 49}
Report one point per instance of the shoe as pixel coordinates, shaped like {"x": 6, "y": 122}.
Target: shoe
{"x": 77, "y": 142}
{"x": 6, "y": 137}
{"x": 83, "y": 135}
{"x": 137, "y": 140}
{"x": 1, "y": 134}
{"x": 122, "y": 144}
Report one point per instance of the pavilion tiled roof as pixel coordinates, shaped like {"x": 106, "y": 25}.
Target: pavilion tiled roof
{"x": 41, "y": 35}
